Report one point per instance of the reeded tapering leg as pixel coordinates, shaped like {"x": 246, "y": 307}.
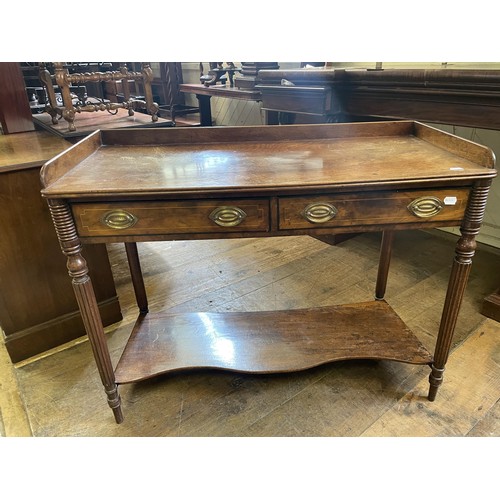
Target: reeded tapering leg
{"x": 460, "y": 271}
{"x": 384, "y": 263}
{"x": 87, "y": 303}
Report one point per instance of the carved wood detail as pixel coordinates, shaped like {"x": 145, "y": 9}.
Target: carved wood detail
{"x": 69, "y": 109}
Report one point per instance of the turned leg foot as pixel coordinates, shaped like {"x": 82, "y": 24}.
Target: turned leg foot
{"x": 435, "y": 380}
{"x": 115, "y": 403}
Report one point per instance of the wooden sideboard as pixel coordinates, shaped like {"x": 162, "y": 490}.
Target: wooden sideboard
{"x": 470, "y": 98}
{"x": 265, "y": 181}
{"x": 32, "y": 272}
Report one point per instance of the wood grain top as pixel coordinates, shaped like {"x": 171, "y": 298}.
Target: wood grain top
{"x": 240, "y": 159}
{"x": 28, "y": 149}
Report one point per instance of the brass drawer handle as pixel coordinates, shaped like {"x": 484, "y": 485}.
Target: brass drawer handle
{"x": 317, "y": 213}
{"x": 426, "y": 206}
{"x": 119, "y": 219}
{"x": 227, "y": 216}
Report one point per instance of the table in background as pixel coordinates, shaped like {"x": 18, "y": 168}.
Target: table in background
{"x": 87, "y": 123}
{"x": 205, "y": 93}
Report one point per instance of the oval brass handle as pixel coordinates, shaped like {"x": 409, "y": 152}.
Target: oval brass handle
{"x": 119, "y": 219}
{"x": 228, "y": 216}
{"x": 318, "y": 213}
{"x": 426, "y": 206}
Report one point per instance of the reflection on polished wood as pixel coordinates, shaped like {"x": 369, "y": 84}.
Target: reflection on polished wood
{"x": 267, "y": 341}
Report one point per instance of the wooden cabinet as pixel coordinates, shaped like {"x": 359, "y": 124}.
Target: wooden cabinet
{"x": 38, "y": 310}
{"x": 15, "y": 113}
{"x": 265, "y": 181}
{"x": 459, "y": 97}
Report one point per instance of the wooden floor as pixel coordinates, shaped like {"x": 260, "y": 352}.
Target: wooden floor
{"x": 60, "y": 394}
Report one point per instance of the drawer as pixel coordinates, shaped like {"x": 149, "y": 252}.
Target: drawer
{"x": 366, "y": 209}
{"x": 296, "y": 99}
{"x": 170, "y": 217}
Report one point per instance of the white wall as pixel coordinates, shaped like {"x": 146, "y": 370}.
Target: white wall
{"x": 490, "y": 229}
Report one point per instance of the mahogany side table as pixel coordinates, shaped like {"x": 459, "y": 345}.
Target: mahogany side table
{"x": 134, "y": 185}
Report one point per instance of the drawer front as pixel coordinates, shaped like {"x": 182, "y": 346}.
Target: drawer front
{"x": 171, "y": 217}
{"x": 296, "y": 99}
{"x": 372, "y": 208}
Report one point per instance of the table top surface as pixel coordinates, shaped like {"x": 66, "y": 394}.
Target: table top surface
{"x": 29, "y": 149}
{"x": 88, "y": 122}
{"x": 269, "y": 159}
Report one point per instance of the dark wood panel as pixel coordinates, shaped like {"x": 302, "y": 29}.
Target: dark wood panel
{"x": 15, "y": 113}
{"x": 38, "y": 310}
{"x": 37, "y": 303}
{"x": 464, "y": 110}
{"x": 459, "y": 97}
{"x": 491, "y": 306}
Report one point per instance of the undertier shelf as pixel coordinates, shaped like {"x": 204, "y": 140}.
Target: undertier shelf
{"x": 266, "y": 342}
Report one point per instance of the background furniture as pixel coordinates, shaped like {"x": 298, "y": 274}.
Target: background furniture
{"x": 470, "y": 98}
{"x": 90, "y": 122}
{"x": 204, "y": 94}
{"x": 64, "y": 80}
{"x": 15, "y": 113}
{"x": 491, "y": 306}
{"x": 166, "y": 91}
{"x": 250, "y": 72}
{"x": 38, "y": 308}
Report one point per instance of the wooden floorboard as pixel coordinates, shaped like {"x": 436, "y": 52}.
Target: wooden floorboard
{"x": 470, "y": 391}
{"x": 60, "y": 394}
